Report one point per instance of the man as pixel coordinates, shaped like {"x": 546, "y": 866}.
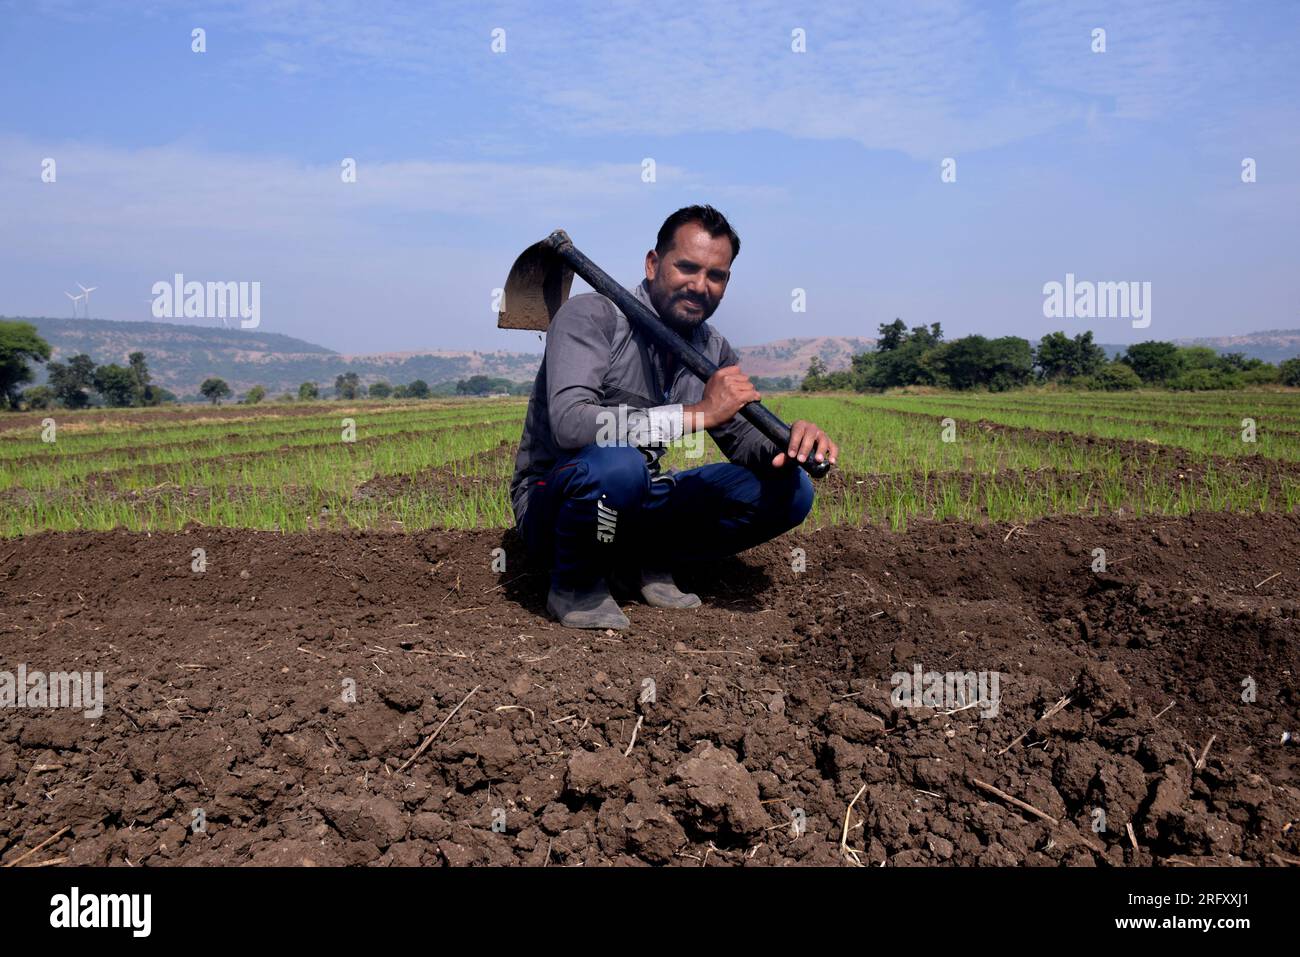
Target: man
{"x": 588, "y": 492}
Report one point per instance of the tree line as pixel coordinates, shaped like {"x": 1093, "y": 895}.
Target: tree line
{"x": 346, "y": 386}
{"x": 903, "y": 357}
{"x": 920, "y": 356}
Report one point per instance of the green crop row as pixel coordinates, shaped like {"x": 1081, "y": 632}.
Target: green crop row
{"x": 1004, "y": 457}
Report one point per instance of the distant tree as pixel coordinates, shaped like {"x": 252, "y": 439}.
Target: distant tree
{"x": 1060, "y": 357}
{"x": 1198, "y": 357}
{"x": 287, "y": 397}
{"x": 482, "y": 385}
{"x": 73, "y": 381}
{"x": 1239, "y": 362}
{"x": 399, "y": 392}
{"x": 116, "y": 384}
{"x": 348, "y": 386}
{"x": 140, "y": 371}
{"x": 380, "y": 390}
{"x": 419, "y": 389}
{"x": 38, "y": 397}
{"x": 308, "y": 391}
{"x": 1113, "y": 377}
{"x": 903, "y": 359}
{"x": 157, "y": 395}
{"x": 1263, "y": 374}
{"x": 1228, "y": 363}
{"x": 814, "y": 379}
{"x": 254, "y": 395}
{"x": 762, "y": 383}
{"x": 974, "y": 361}
{"x": 1088, "y": 356}
{"x": 864, "y": 364}
{"x": 1154, "y": 362}
{"x": 1289, "y": 372}
{"x": 1053, "y": 356}
{"x": 1203, "y": 380}
{"x": 214, "y": 390}
{"x": 19, "y": 345}
{"x": 1011, "y": 363}
{"x": 891, "y": 336}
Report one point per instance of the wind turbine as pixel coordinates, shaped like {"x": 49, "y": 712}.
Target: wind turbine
{"x": 74, "y": 299}
{"x": 86, "y": 292}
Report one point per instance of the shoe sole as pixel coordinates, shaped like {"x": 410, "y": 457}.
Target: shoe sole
{"x": 689, "y": 600}
{"x": 571, "y": 621}
{"x": 686, "y": 607}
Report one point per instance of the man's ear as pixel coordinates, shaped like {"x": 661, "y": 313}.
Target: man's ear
{"x": 651, "y": 265}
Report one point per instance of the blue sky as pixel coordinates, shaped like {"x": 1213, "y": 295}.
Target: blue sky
{"x": 224, "y": 166}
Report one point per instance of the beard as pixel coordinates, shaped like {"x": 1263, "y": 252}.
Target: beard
{"x": 685, "y": 320}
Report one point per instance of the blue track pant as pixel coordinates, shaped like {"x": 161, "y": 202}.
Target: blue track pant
{"x": 598, "y": 507}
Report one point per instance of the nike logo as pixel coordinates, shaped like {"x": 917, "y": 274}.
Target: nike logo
{"x": 606, "y": 520}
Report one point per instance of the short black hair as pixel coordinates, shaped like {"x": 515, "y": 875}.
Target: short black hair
{"x": 706, "y": 216}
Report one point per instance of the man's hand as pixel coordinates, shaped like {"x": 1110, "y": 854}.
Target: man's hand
{"x": 726, "y": 393}
{"x": 805, "y": 440}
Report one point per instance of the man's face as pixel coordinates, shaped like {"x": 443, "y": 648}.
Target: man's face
{"x": 687, "y": 282}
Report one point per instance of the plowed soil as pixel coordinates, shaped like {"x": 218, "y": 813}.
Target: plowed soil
{"x": 758, "y": 729}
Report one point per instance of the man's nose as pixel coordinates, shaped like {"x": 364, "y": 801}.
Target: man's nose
{"x": 698, "y": 285}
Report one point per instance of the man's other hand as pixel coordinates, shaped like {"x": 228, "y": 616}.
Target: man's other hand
{"x": 805, "y": 440}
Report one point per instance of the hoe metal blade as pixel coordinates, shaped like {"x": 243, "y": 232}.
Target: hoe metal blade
{"x": 536, "y": 288}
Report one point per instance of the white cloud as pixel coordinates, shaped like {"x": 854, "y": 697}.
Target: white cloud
{"x": 926, "y": 77}
{"x": 407, "y": 235}
{"x": 920, "y": 77}
{"x": 177, "y": 188}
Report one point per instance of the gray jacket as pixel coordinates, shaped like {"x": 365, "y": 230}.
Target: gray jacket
{"x": 596, "y": 360}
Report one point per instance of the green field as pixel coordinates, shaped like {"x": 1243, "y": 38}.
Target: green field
{"x": 414, "y": 465}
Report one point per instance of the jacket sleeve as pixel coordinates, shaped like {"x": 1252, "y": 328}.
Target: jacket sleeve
{"x": 578, "y": 345}
{"x": 740, "y": 441}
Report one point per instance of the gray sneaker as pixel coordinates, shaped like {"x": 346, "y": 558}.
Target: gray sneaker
{"x": 589, "y": 608}
{"x": 659, "y": 589}
{"x": 656, "y": 588}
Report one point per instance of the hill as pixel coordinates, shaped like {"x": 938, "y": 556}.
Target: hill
{"x": 790, "y": 357}
{"x": 182, "y": 356}
{"x": 1272, "y": 345}
{"x": 111, "y": 337}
